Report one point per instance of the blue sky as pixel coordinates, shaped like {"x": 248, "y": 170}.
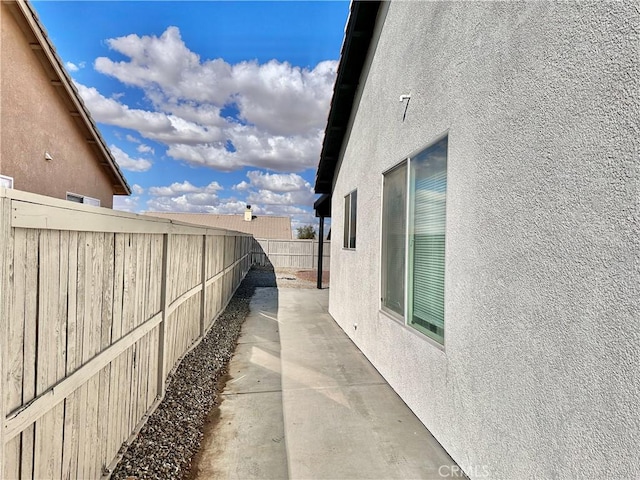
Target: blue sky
{"x": 206, "y": 106}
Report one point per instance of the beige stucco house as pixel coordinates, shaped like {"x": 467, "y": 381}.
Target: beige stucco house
{"x": 50, "y": 144}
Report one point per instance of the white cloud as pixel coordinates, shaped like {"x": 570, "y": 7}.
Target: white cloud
{"x": 153, "y": 125}
{"x": 277, "y": 182}
{"x": 253, "y": 148}
{"x": 132, "y": 139}
{"x": 126, "y": 204}
{"x": 267, "y": 197}
{"x": 276, "y": 189}
{"x": 142, "y": 148}
{"x": 282, "y": 109}
{"x": 137, "y": 189}
{"x": 284, "y": 200}
{"x": 242, "y": 186}
{"x": 72, "y": 67}
{"x": 127, "y": 163}
{"x": 184, "y": 188}
{"x": 282, "y": 99}
{"x": 202, "y": 203}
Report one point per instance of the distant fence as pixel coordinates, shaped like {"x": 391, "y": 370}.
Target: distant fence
{"x": 302, "y": 254}
{"x": 96, "y": 308}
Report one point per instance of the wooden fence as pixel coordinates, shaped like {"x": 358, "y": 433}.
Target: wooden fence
{"x": 302, "y": 254}
{"x": 96, "y": 309}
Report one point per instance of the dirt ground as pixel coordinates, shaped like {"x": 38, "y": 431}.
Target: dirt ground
{"x": 290, "y": 278}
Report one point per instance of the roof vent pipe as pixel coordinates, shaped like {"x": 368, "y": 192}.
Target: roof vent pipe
{"x": 248, "y": 214}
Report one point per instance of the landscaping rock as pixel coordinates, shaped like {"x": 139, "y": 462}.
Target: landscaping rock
{"x": 171, "y": 437}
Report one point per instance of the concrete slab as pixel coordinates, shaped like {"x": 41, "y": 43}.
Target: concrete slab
{"x": 255, "y": 368}
{"x": 247, "y": 439}
{"x": 367, "y": 432}
{"x": 304, "y": 403}
{"x": 318, "y": 361}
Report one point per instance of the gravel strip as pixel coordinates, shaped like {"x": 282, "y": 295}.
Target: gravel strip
{"x": 171, "y": 437}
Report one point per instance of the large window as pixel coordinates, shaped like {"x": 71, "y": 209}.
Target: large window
{"x": 350, "y": 209}
{"x": 413, "y": 240}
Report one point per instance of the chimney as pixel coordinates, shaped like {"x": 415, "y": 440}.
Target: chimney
{"x": 248, "y": 214}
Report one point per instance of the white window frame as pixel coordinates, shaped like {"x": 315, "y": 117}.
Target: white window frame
{"x": 404, "y": 318}
{"x": 94, "y": 202}
{"x": 5, "y": 178}
{"x": 350, "y": 230}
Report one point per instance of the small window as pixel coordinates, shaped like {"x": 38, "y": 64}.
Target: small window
{"x": 6, "y": 182}
{"x": 413, "y": 240}
{"x": 73, "y": 197}
{"x": 350, "y": 209}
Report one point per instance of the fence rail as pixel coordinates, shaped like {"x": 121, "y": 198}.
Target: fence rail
{"x": 302, "y": 254}
{"x": 96, "y": 308}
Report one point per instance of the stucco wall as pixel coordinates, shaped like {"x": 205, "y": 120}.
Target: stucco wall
{"x": 540, "y": 373}
{"x": 34, "y": 121}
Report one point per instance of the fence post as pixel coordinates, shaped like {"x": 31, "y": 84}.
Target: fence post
{"x": 164, "y": 304}
{"x": 5, "y": 245}
{"x": 204, "y": 285}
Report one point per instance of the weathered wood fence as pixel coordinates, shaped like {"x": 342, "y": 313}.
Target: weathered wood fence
{"x": 96, "y": 308}
{"x": 302, "y": 254}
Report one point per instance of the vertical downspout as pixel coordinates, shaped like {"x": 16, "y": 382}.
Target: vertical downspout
{"x": 320, "y": 251}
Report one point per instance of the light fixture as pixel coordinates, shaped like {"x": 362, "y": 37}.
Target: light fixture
{"x": 47, "y": 156}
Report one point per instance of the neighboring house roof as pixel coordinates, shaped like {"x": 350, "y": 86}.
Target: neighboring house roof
{"x": 358, "y": 34}
{"x": 45, "y": 51}
{"x": 260, "y": 226}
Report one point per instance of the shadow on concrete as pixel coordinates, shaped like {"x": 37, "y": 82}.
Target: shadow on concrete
{"x": 247, "y": 440}
{"x": 301, "y": 401}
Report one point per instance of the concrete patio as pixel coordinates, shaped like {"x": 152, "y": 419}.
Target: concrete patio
{"x": 302, "y": 402}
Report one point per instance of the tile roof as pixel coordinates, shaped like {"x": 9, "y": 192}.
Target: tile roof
{"x": 260, "y": 226}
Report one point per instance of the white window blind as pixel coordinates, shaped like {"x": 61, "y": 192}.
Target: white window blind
{"x": 427, "y": 240}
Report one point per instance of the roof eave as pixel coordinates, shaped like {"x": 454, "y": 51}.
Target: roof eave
{"x": 358, "y": 35}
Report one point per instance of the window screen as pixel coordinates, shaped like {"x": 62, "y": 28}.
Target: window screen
{"x": 394, "y": 214}
{"x": 350, "y": 219}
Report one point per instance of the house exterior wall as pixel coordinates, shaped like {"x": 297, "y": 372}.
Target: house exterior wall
{"x": 34, "y": 121}
{"x": 539, "y": 375}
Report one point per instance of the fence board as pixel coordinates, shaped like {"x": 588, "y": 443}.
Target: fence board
{"x": 299, "y": 254}
{"x": 89, "y": 335}
{"x": 12, "y": 459}
{"x": 72, "y": 360}
{"x": 62, "y": 306}
{"x": 30, "y": 343}
{"x": 15, "y": 338}
{"x": 108, "y": 272}
{"x": 70, "y": 442}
